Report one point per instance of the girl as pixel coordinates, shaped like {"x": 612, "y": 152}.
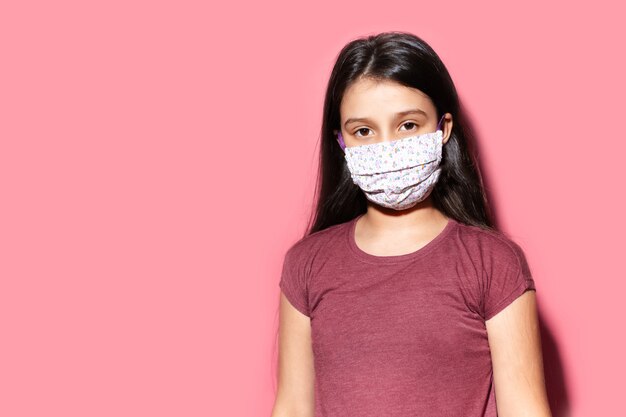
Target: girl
{"x": 403, "y": 299}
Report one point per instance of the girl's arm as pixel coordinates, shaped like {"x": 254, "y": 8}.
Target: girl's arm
{"x": 296, "y": 375}
{"x": 517, "y": 361}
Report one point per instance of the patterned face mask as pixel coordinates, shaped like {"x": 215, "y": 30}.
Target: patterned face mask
{"x": 397, "y": 174}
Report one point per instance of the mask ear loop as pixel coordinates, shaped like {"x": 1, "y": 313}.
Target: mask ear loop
{"x": 440, "y": 122}
{"x": 342, "y": 144}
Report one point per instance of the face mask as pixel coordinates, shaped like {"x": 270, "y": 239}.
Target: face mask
{"x": 397, "y": 174}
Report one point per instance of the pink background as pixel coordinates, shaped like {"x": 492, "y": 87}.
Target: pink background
{"x": 158, "y": 158}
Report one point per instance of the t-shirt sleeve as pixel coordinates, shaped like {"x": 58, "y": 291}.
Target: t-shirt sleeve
{"x": 507, "y": 277}
{"x": 293, "y": 281}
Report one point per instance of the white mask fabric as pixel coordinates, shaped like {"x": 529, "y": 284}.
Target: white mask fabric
{"x": 397, "y": 174}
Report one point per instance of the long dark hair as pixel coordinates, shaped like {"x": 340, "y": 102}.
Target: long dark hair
{"x": 408, "y": 60}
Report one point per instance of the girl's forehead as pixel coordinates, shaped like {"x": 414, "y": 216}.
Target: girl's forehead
{"x": 365, "y": 97}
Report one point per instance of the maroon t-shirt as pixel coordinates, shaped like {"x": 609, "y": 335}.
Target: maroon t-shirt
{"x": 404, "y": 335}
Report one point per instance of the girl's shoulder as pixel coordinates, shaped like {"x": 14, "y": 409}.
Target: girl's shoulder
{"x": 322, "y": 239}
{"x": 491, "y": 243}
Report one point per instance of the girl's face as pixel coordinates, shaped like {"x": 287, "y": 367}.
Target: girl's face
{"x": 378, "y": 111}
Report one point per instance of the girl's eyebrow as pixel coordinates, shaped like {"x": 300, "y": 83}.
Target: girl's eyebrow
{"x": 398, "y": 115}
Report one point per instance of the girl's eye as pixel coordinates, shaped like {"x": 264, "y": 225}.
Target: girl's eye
{"x": 359, "y": 130}
{"x": 414, "y": 125}
{"x": 410, "y": 123}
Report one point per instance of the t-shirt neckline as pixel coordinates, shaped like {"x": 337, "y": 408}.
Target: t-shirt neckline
{"x": 376, "y": 259}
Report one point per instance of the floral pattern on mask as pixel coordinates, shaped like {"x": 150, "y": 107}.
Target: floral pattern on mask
{"x": 400, "y": 173}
